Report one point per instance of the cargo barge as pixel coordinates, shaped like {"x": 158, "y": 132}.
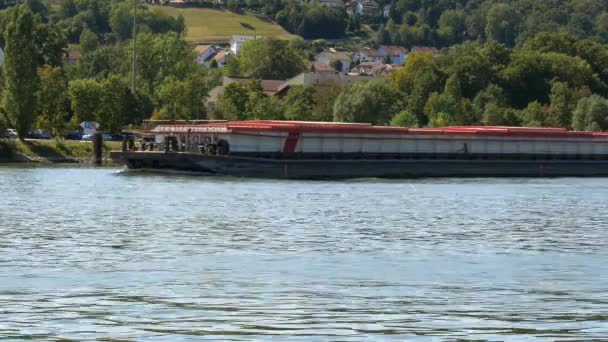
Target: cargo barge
{"x": 315, "y": 150}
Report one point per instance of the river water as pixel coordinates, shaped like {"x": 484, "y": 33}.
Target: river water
{"x": 91, "y": 253}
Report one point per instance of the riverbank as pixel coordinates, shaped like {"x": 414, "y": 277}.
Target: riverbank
{"x": 52, "y": 151}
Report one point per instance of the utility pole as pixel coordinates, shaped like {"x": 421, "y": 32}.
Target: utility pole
{"x": 134, "y": 46}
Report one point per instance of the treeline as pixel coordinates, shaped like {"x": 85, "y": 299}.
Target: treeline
{"x": 39, "y": 91}
{"x": 444, "y": 23}
{"x": 110, "y": 20}
{"x": 553, "y": 80}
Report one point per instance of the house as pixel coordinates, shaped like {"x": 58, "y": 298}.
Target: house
{"x": 72, "y": 56}
{"x": 332, "y": 3}
{"x": 372, "y": 69}
{"x": 221, "y": 58}
{"x": 1, "y": 56}
{"x": 236, "y": 42}
{"x": 322, "y": 80}
{"x": 269, "y": 87}
{"x": 368, "y": 55}
{"x": 425, "y": 49}
{"x": 332, "y": 57}
{"x": 396, "y": 54}
{"x": 321, "y": 67}
{"x": 281, "y": 87}
{"x": 367, "y": 8}
{"x": 205, "y": 54}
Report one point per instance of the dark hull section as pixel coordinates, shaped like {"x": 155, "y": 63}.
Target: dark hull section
{"x": 361, "y": 168}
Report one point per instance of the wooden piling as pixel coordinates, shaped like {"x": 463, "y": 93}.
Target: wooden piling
{"x": 97, "y": 148}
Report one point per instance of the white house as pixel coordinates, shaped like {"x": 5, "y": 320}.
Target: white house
{"x": 1, "y": 56}
{"x": 204, "y": 54}
{"x": 367, "y": 8}
{"x": 396, "y": 54}
{"x": 236, "y": 42}
{"x": 332, "y": 56}
{"x": 221, "y": 58}
{"x": 332, "y": 3}
{"x": 368, "y": 55}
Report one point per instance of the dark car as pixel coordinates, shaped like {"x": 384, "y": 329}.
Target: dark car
{"x": 39, "y": 134}
{"x": 76, "y": 135}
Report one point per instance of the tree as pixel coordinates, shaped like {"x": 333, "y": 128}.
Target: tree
{"x": 121, "y": 19}
{"x": 52, "y": 99}
{"x": 269, "y": 59}
{"x": 88, "y": 41}
{"x": 368, "y": 101}
{"x": 383, "y": 36}
{"x": 232, "y": 104}
{"x": 233, "y": 6}
{"x": 84, "y": 96}
{"x": 404, "y": 78}
{"x": 489, "y": 101}
{"x": 451, "y": 26}
{"x": 591, "y": 114}
{"x": 324, "y": 99}
{"x": 563, "y": 101}
{"x": 441, "y": 109}
{"x": 405, "y": 118}
{"x": 299, "y": 103}
{"x": 502, "y": 24}
{"x": 533, "y": 115}
{"x": 20, "y": 71}
{"x": 115, "y": 104}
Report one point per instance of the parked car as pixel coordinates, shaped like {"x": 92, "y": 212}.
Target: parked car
{"x": 76, "y": 135}
{"x": 11, "y": 133}
{"x": 39, "y": 134}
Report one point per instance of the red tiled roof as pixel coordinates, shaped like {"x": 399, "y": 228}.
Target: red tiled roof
{"x": 335, "y": 55}
{"x": 321, "y": 67}
{"x": 220, "y": 55}
{"x": 394, "y": 50}
{"x": 371, "y": 52}
{"x": 200, "y": 49}
{"x": 269, "y": 86}
{"x": 427, "y": 49}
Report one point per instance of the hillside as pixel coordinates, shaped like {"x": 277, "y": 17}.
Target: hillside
{"x": 216, "y": 26}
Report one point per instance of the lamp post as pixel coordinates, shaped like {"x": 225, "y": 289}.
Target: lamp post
{"x": 134, "y": 46}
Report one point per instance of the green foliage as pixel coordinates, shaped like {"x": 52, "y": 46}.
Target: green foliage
{"x": 115, "y": 108}
{"x": 368, "y": 101}
{"x": 248, "y": 102}
{"x": 533, "y": 115}
{"x": 591, "y": 114}
{"x": 267, "y": 59}
{"x": 299, "y": 103}
{"x": 53, "y": 101}
{"x": 161, "y": 56}
{"x": 20, "y": 72}
{"x": 88, "y": 42}
{"x": 84, "y": 98}
{"x": 405, "y": 118}
{"x": 311, "y": 20}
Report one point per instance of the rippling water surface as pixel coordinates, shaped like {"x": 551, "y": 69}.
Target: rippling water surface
{"x": 99, "y": 254}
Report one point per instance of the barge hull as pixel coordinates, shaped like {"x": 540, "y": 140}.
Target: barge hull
{"x": 358, "y": 168}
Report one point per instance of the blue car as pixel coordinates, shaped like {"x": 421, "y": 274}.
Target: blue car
{"x": 76, "y": 135}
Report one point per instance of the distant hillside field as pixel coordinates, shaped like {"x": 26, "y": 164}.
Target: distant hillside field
{"x": 216, "y": 26}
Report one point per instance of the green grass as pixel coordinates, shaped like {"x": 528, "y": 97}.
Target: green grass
{"x": 52, "y": 150}
{"x": 204, "y": 25}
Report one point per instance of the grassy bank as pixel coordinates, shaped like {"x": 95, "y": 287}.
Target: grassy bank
{"x": 217, "y": 26}
{"x": 51, "y": 151}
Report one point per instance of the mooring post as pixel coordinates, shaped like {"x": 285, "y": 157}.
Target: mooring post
{"x": 97, "y": 148}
